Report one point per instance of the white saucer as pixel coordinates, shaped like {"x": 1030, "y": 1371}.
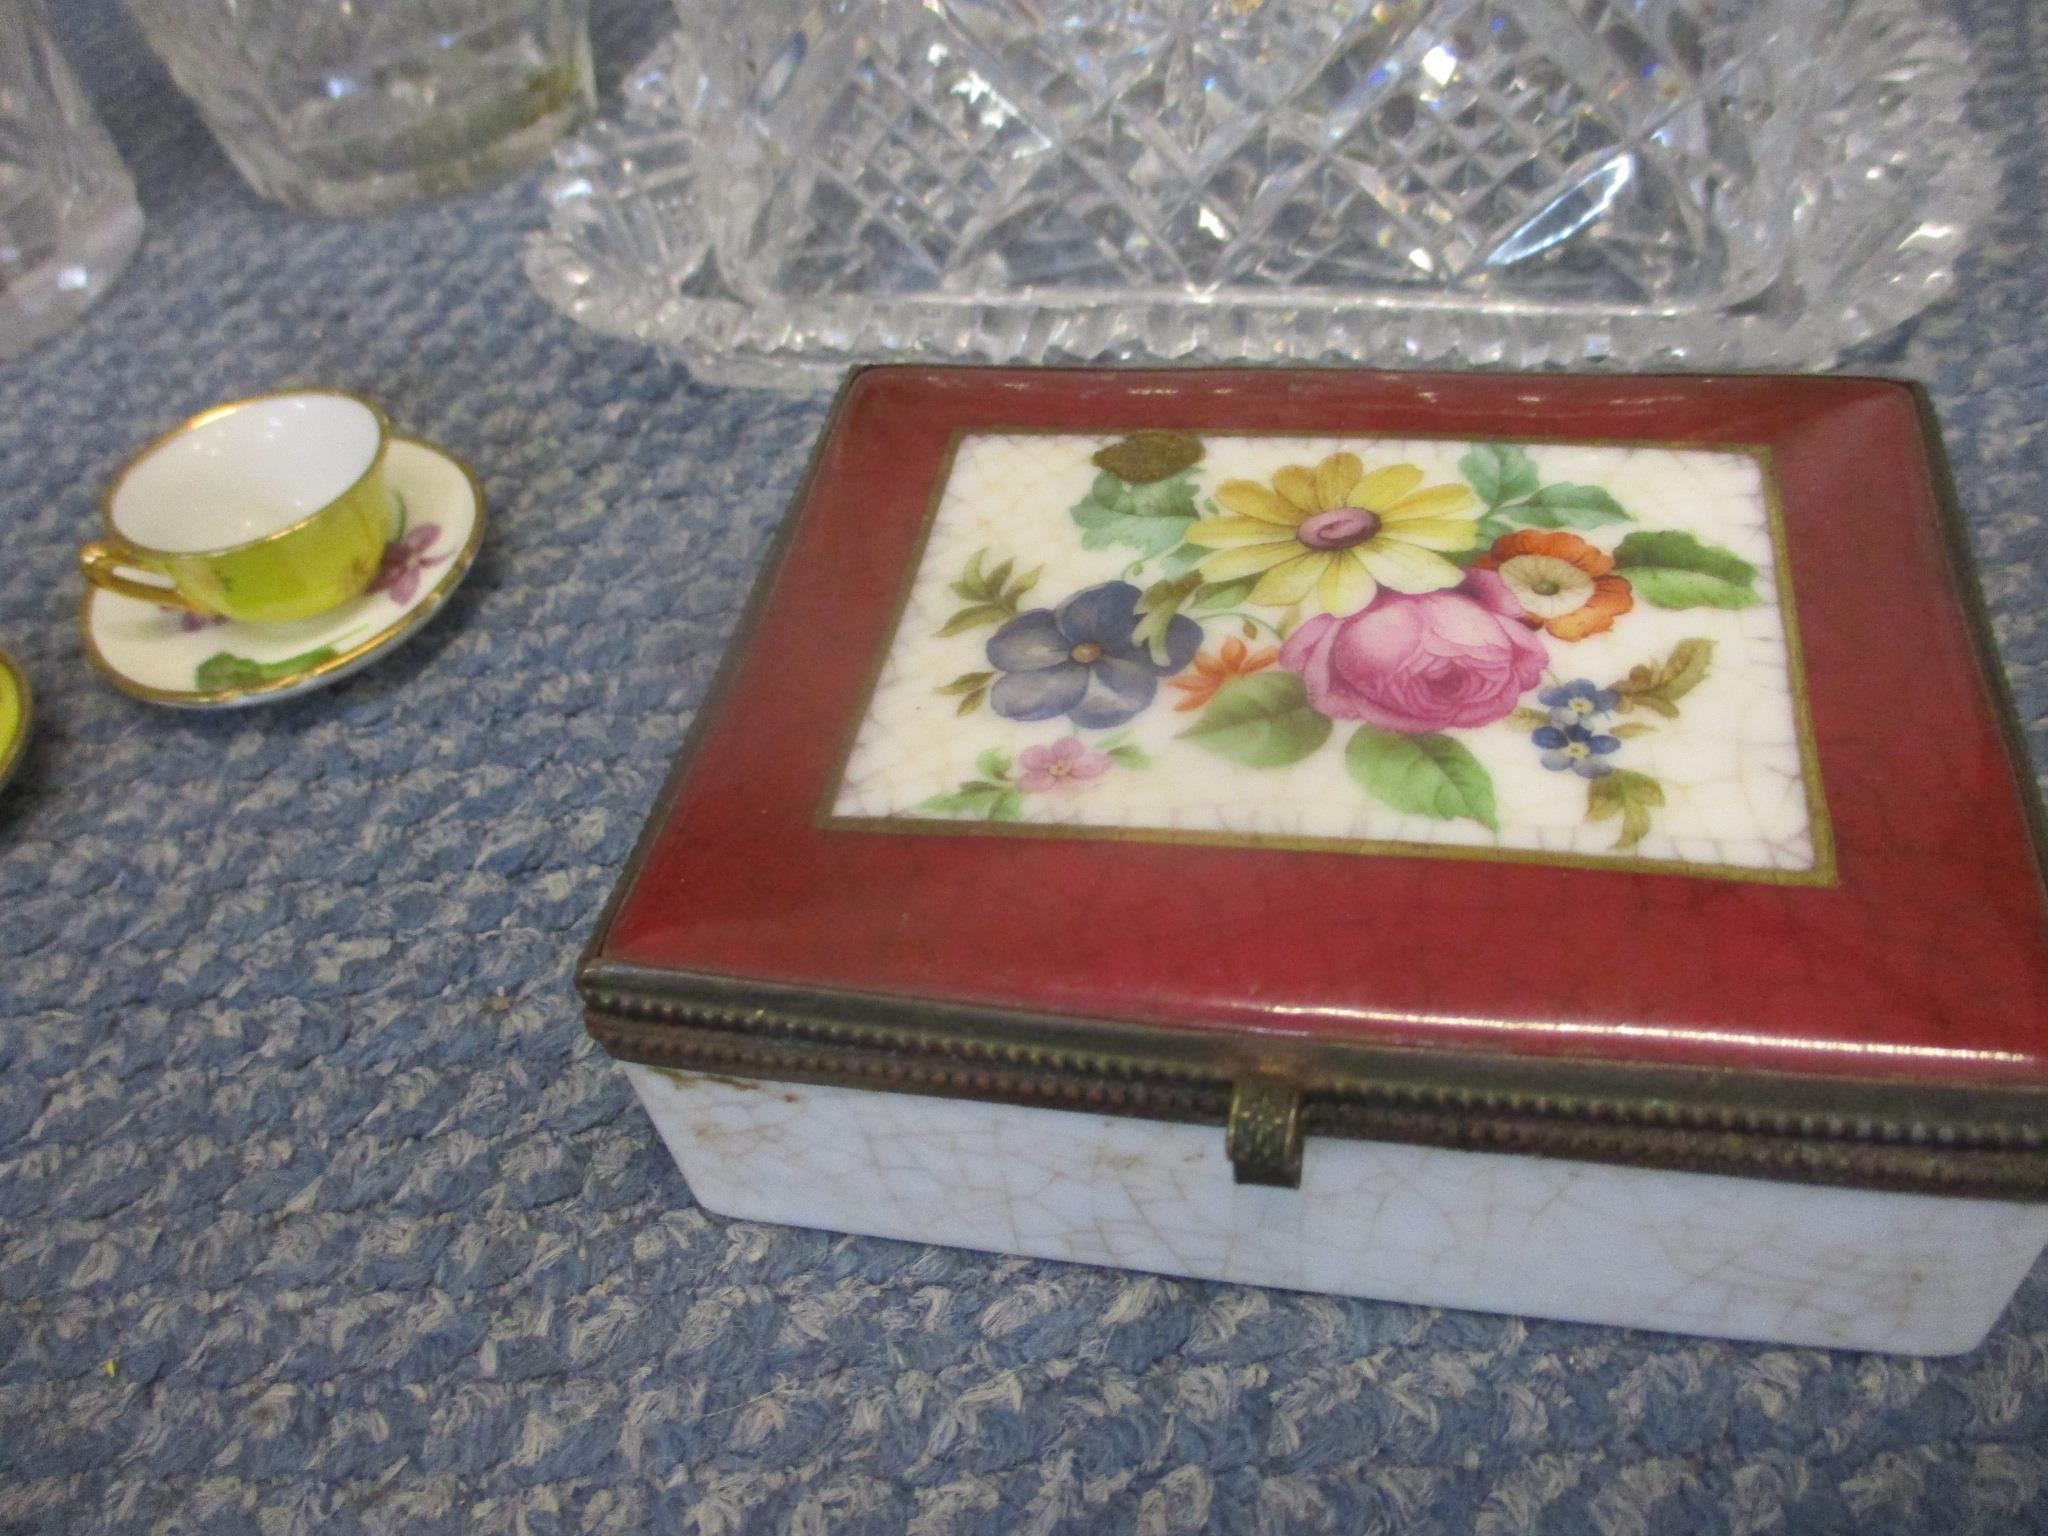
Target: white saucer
{"x": 172, "y": 657}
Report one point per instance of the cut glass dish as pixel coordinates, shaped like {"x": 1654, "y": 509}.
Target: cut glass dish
{"x": 793, "y": 188}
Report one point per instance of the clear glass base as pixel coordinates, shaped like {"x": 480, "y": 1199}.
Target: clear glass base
{"x": 480, "y": 139}
{"x": 97, "y": 245}
{"x": 1879, "y": 197}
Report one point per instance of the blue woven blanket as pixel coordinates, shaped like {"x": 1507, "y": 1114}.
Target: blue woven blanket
{"x": 318, "y": 1213}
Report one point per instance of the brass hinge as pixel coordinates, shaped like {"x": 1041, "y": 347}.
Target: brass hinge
{"x": 1264, "y": 1135}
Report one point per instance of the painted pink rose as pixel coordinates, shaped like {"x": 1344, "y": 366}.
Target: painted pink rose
{"x": 1066, "y": 764}
{"x": 1416, "y": 664}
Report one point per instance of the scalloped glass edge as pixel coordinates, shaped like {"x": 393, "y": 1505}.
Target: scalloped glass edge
{"x": 1896, "y": 182}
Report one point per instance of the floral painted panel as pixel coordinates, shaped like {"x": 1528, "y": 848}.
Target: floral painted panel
{"x": 1552, "y": 652}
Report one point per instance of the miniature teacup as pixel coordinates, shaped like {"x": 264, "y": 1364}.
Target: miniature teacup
{"x": 267, "y": 510}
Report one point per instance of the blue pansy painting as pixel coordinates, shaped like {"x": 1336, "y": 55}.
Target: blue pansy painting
{"x": 1083, "y": 659}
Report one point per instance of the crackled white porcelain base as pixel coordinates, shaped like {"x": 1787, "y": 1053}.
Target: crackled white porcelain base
{"x": 1582, "y": 1242}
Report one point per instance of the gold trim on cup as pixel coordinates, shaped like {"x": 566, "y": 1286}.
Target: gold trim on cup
{"x": 100, "y": 562}
{"x": 408, "y": 622}
{"x": 206, "y": 418}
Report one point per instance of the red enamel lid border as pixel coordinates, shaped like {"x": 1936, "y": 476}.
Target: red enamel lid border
{"x": 1923, "y": 961}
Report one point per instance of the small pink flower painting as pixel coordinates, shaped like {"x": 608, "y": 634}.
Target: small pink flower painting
{"x": 1065, "y": 765}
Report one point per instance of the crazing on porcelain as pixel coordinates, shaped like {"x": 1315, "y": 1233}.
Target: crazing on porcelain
{"x": 1536, "y": 1236}
{"x": 1555, "y": 652}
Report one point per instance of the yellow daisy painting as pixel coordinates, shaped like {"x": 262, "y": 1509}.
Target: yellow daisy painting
{"x": 1330, "y": 537}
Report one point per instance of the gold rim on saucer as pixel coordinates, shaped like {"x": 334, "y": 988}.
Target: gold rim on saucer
{"x": 410, "y": 620}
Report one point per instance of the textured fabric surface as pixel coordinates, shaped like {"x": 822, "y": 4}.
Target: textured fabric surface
{"x": 319, "y": 1213}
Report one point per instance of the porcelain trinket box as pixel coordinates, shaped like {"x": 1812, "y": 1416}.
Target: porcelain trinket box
{"x": 1547, "y": 844}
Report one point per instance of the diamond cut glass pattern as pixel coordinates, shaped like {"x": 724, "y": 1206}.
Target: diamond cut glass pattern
{"x": 794, "y": 187}
{"x": 1575, "y": 149}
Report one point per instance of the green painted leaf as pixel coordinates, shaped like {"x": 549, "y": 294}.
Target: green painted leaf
{"x": 968, "y": 682}
{"x": 1629, "y": 730}
{"x": 1529, "y": 719}
{"x": 1659, "y": 687}
{"x": 1102, "y": 527}
{"x": 1158, "y": 606}
{"x": 1172, "y": 497}
{"x": 1689, "y": 589}
{"x": 1148, "y": 518}
{"x": 993, "y": 764}
{"x": 1261, "y": 721}
{"x": 1627, "y": 795}
{"x": 973, "y": 618}
{"x": 1499, "y": 472}
{"x": 1481, "y": 469}
{"x": 971, "y": 701}
{"x": 1570, "y": 506}
{"x": 1129, "y": 756}
{"x": 1490, "y": 527}
{"x": 1675, "y": 570}
{"x": 1223, "y": 594}
{"x": 1428, "y": 775}
{"x": 988, "y": 591}
{"x": 978, "y": 802}
{"x": 1180, "y": 561}
{"x": 224, "y": 669}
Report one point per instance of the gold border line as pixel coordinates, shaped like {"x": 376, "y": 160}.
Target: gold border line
{"x": 822, "y": 816}
{"x": 1821, "y": 873}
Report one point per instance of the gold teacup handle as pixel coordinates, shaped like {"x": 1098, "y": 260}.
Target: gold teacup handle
{"x": 100, "y": 561}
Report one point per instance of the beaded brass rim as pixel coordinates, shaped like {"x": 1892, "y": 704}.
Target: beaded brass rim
{"x": 1987, "y": 1142}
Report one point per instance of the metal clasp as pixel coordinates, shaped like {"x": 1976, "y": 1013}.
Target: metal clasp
{"x": 1264, "y": 1135}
